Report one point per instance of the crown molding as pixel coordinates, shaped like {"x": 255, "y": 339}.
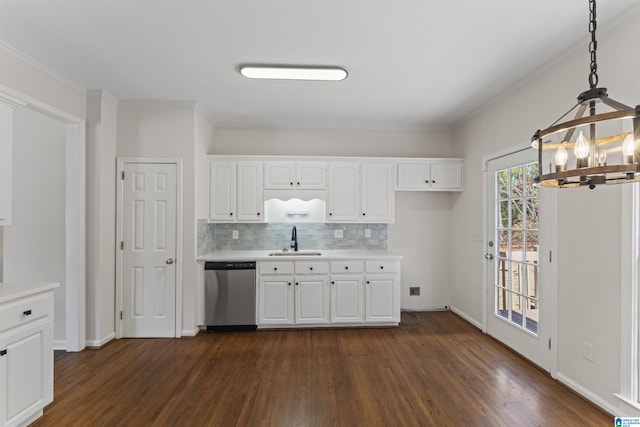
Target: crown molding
{"x": 100, "y": 94}
{"x": 42, "y": 68}
{"x": 11, "y": 101}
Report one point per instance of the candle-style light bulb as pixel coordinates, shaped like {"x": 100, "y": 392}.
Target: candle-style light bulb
{"x": 628, "y": 146}
{"x": 561, "y": 158}
{"x": 581, "y": 149}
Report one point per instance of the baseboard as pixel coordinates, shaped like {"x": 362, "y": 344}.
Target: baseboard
{"x": 589, "y": 395}
{"x": 190, "y": 332}
{"x": 95, "y": 344}
{"x": 467, "y": 318}
{"x": 60, "y": 345}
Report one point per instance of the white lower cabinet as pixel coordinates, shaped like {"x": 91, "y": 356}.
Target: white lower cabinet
{"x": 339, "y": 292}
{"x": 26, "y": 358}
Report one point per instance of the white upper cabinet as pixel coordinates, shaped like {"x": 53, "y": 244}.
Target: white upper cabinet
{"x": 295, "y": 175}
{"x": 250, "y": 200}
{"x": 222, "y": 191}
{"x": 235, "y": 191}
{"x": 361, "y": 192}
{"x": 430, "y": 175}
{"x": 344, "y": 192}
{"x": 378, "y": 193}
{"x": 6, "y": 143}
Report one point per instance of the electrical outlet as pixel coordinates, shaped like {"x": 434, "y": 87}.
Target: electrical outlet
{"x": 338, "y": 234}
{"x": 588, "y": 352}
{"x": 367, "y": 233}
{"x": 414, "y": 291}
{"x": 235, "y": 234}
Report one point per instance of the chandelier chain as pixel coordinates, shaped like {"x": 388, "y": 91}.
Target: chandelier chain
{"x": 593, "y": 45}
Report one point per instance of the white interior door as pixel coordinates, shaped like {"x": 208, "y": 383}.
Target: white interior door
{"x": 149, "y": 224}
{"x": 520, "y": 297}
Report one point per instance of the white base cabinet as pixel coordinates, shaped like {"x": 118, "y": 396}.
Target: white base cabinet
{"x": 328, "y": 293}
{"x": 26, "y": 356}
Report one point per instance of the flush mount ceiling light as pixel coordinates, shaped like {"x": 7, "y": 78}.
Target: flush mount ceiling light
{"x": 596, "y": 148}
{"x": 293, "y": 72}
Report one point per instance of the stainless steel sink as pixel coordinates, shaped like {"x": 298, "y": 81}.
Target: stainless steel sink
{"x": 293, "y": 253}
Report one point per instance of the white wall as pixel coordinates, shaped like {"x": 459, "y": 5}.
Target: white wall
{"x": 588, "y": 287}
{"x": 415, "y": 211}
{"x": 34, "y": 245}
{"x": 101, "y": 217}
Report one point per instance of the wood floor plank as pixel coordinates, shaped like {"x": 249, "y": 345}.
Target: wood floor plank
{"x": 440, "y": 372}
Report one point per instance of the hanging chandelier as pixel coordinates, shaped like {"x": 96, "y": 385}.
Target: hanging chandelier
{"x": 600, "y": 145}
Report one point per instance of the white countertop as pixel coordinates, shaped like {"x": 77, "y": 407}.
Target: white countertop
{"x": 263, "y": 255}
{"x": 11, "y": 291}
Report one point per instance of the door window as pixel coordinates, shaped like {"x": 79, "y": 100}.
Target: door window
{"x": 516, "y": 275}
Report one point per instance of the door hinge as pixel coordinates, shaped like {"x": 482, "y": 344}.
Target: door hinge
{"x": 550, "y": 256}
{"x": 122, "y": 176}
{"x": 122, "y": 244}
{"x": 120, "y": 314}
{"x": 549, "y": 343}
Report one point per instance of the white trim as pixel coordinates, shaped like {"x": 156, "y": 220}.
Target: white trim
{"x": 503, "y": 153}
{"x": 99, "y": 343}
{"x": 630, "y": 274}
{"x": 190, "y": 332}
{"x": 60, "y": 345}
{"x": 99, "y": 94}
{"x": 469, "y": 319}
{"x": 121, "y": 161}
{"x": 42, "y": 68}
{"x": 587, "y": 394}
{"x": 76, "y": 237}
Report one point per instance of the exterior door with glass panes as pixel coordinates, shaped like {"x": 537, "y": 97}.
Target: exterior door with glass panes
{"x": 517, "y": 313}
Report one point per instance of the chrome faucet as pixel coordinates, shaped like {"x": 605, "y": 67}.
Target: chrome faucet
{"x": 294, "y": 239}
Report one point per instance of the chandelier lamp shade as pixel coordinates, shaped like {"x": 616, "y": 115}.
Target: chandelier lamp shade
{"x": 600, "y": 144}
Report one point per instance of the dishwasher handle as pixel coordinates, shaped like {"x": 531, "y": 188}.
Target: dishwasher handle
{"x": 235, "y": 265}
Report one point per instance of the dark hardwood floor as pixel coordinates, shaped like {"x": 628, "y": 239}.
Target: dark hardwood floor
{"x": 441, "y": 372}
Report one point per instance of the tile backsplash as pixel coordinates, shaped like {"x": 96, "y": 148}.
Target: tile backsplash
{"x": 275, "y": 236}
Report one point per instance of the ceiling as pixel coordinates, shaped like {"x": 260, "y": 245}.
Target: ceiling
{"x": 411, "y": 63}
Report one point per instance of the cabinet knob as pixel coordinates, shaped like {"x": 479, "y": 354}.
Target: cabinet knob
{"x": 298, "y": 183}
{"x": 427, "y": 181}
{"x": 368, "y": 282}
{"x": 26, "y": 313}
{"x": 231, "y": 214}
{"x": 311, "y": 268}
{"x": 330, "y": 214}
{"x": 333, "y": 283}
{"x": 346, "y": 267}
{"x": 297, "y": 283}
{"x": 275, "y": 268}
{"x": 433, "y": 182}
{"x": 382, "y": 267}
{"x": 289, "y": 283}
{"x": 258, "y": 213}
{"x": 291, "y": 183}
{"x": 363, "y": 214}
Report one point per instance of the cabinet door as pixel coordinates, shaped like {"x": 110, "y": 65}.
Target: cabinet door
{"x": 275, "y": 300}
{"x": 222, "y": 191}
{"x": 347, "y": 299}
{"x": 378, "y": 192}
{"x": 279, "y": 175}
{"x": 344, "y": 192}
{"x": 6, "y": 144}
{"x": 446, "y": 176}
{"x": 414, "y": 175}
{"x": 380, "y": 298}
{"x": 311, "y": 175}
{"x": 312, "y": 300}
{"x": 250, "y": 200}
{"x": 26, "y": 373}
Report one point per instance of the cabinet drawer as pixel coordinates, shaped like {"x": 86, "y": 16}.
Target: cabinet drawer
{"x": 275, "y": 268}
{"x": 381, "y": 266}
{"x": 24, "y": 310}
{"x": 347, "y": 267}
{"x": 310, "y": 267}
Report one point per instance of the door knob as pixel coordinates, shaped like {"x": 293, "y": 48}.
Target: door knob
{"x": 489, "y": 256}
{"x": 170, "y": 261}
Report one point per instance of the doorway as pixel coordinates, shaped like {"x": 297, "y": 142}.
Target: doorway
{"x": 520, "y": 298}
{"x": 149, "y": 234}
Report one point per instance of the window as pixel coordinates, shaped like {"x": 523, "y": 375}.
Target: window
{"x": 516, "y": 284}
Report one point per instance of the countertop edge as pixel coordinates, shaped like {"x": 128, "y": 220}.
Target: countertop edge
{"x": 12, "y": 291}
{"x": 327, "y": 255}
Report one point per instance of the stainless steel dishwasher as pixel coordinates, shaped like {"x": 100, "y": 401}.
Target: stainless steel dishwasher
{"x": 230, "y": 296}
